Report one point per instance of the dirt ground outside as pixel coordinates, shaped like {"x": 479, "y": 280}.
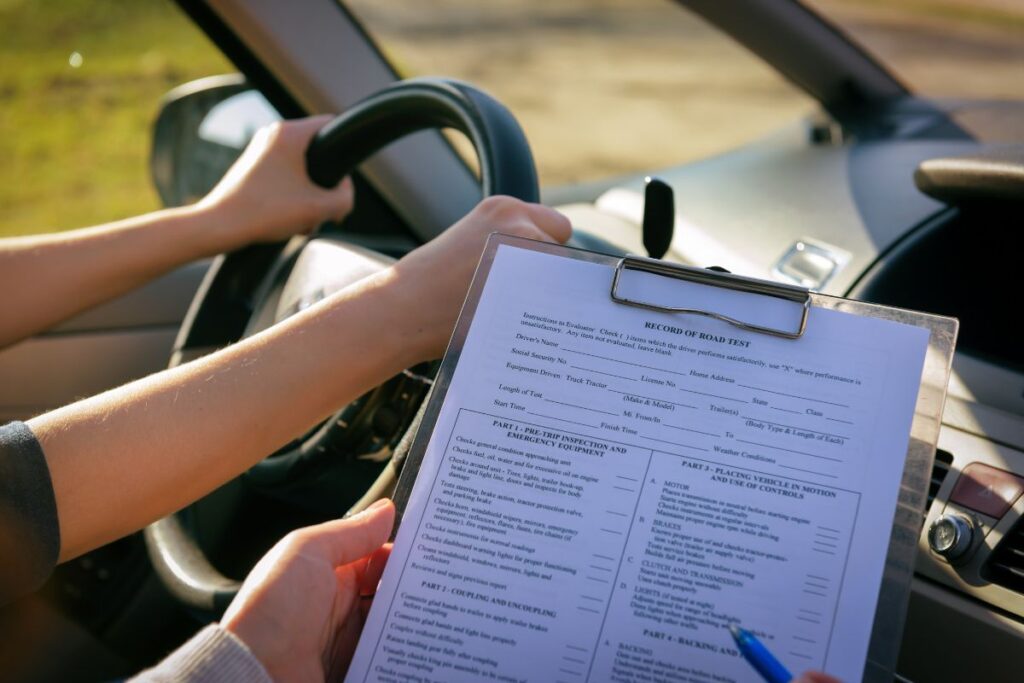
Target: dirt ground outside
{"x": 609, "y": 87}
{"x": 602, "y": 87}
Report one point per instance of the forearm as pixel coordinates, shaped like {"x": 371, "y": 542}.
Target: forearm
{"x": 129, "y": 456}
{"x": 58, "y": 275}
{"x": 266, "y": 196}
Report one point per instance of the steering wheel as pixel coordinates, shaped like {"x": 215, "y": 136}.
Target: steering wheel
{"x": 255, "y": 287}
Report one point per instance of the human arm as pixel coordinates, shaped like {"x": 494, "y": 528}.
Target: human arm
{"x": 265, "y": 196}
{"x": 129, "y": 456}
{"x": 299, "y": 613}
{"x": 311, "y": 585}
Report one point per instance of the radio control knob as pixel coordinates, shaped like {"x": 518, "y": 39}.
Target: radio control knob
{"x": 951, "y": 535}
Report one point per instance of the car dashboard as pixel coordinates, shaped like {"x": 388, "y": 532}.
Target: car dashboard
{"x": 883, "y": 240}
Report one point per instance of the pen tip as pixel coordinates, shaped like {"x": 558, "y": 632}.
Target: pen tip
{"x": 736, "y": 631}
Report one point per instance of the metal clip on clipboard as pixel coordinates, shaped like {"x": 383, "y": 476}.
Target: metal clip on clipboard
{"x": 714, "y": 279}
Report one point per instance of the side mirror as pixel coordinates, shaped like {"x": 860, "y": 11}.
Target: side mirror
{"x": 201, "y": 130}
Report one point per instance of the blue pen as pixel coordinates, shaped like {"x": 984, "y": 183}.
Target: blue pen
{"x": 759, "y": 657}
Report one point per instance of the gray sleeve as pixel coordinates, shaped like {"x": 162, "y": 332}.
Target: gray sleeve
{"x": 212, "y": 655}
{"x": 29, "y": 530}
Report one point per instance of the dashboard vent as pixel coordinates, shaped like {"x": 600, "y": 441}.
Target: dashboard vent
{"x": 943, "y": 461}
{"x": 1006, "y": 564}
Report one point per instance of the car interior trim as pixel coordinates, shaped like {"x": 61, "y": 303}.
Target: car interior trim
{"x": 805, "y": 48}
{"x": 305, "y": 55}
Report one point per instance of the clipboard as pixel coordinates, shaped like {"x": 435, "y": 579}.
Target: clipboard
{"x": 894, "y": 593}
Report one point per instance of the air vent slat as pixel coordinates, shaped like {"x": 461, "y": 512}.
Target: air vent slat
{"x": 1016, "y": 571}
{"x": 943, "y": 462}
{"x": 1005, "y": 567}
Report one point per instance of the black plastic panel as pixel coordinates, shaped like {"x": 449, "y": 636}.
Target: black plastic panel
{"x": 968, "y": 266}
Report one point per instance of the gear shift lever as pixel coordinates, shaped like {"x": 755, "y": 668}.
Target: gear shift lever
{"x": 659, "y": 217}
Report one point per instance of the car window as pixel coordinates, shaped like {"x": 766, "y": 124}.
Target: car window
{"x": 967, "y": 53}
{"x": 940, "y": 48}
{"x": 80, "y": 86}
{"x": 601, "y": 88}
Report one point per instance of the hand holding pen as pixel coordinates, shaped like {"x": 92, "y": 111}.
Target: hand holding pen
{"x": 765, "y": 663}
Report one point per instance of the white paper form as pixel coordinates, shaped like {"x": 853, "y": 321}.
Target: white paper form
{"x": 607, "y": 488}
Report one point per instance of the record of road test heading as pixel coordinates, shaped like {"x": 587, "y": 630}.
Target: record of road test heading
{"x": 623, "y": 457}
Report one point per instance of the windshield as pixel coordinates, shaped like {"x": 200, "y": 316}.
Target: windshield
{"x": 940, "y": 48}
{"x": 601, "y": 88}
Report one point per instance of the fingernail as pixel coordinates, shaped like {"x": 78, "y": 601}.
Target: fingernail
{"x": 378, "y": 504}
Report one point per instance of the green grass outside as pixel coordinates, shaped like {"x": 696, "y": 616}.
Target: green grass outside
{"x": 75, "y": 143}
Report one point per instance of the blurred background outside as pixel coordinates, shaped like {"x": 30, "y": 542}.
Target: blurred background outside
{"x": 75, "y": 132}
{"x": 602, "y": 87}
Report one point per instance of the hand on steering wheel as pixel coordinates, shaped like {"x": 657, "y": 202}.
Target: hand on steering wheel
{"x": 252, "y": 289}
{"x": 444, "y": 267}
{"x": 266, "y": 195}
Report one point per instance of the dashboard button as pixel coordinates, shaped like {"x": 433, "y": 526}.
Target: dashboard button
{"x": 807, "y": 265}
{"x": 986, "y": 489}
{"x": 951, "y": 536}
